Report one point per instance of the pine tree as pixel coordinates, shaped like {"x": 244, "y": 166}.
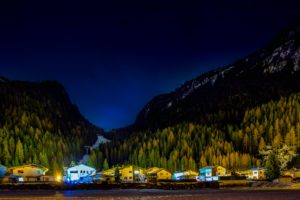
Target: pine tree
{"x": 19, "y": 152}
{"x": 272, "y": 167}
{"x": 105, "y": 164}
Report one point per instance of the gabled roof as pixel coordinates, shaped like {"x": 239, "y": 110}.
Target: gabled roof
{"x": 151, "y": 169}
{"x": 211, "y": 167}
{"x": 31, "y": 165}
{"x": 208, "y": 167}
{"x": 82, "y": 165}
{"x": 257, "y": 168}
{"x": 159, "y": 170}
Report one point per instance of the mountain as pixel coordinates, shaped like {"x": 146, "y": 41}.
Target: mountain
{"x": 223, "y": 117}
{"x": 39, "y": 124}
{"x": 218, "y": 95}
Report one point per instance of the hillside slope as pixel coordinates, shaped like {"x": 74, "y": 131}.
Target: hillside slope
{"x": 39, "y": 124}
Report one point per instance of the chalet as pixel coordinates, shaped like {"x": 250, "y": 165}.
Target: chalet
{"x": 211, "y": 173}
{"x": 132, "y": 173}
{"x": 155, "y": 174}
{"x": 79, "y": 173}
{"x": 29, "y": 173}
{"x": 103, "y": 178}
{"x": 185, "y": 175}
{"x": 257, "y": 174}
{"x": 253, "y": 173}
{"x": 109, "y": 172}
{"x": 2, "y": 171}
{"x": 294, "y": 173}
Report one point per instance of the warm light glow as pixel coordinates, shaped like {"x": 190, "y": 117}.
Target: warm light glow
{"x": 58, "y": 178}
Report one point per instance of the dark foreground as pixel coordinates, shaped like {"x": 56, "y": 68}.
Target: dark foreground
{"x": 205, "y": 194}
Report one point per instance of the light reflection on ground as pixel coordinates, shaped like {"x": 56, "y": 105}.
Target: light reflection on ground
{"x": 207, "y": 194}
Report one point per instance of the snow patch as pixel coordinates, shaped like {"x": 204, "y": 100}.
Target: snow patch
{"x": 100, "y": 140}
{"x": 169, "y": 104}
{"x": 296, "y": 58}
{"x": 214, "y": 79}
{"x": 278, "y": 59}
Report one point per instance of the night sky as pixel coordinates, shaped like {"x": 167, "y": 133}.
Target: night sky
{"x": 114, "y": 56}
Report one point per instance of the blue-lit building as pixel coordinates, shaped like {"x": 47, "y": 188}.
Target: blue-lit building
{"x": 2, "y": 171}
{"x": 79, "y": 174}
{"x": 185, "y": 175}
{"x": 211, "y": 173}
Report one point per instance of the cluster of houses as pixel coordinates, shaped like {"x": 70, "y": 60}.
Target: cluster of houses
{"x": 128, "y": 174}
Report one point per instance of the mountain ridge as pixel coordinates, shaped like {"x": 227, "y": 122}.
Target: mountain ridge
{"x": 273, "y": 68}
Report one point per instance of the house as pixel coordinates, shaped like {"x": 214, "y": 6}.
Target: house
{"x": 103, "y": 178}
{"x": 132, "y": 173}
{"x": 2, "y": 171}
{"x": 257, "y": 173}
{"x": 29, "y": 173}
{"x": 109, "y": 171}
{"x": 294, "y": 173}
{"x": 79, "y": 174}
{"x": 211, "y": 173}
{"x": 185, "y": 175}
{"x": 156, "y": 174}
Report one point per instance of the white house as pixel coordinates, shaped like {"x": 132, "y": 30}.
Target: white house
{"x": 257, "y": 174}
{"x": 79, "y": 173}
{"x": 29, "y": 173}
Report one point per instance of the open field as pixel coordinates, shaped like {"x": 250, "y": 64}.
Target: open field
{"x": 204, "y": 194}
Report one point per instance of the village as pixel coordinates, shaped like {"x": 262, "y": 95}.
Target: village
{"x": 83, "y": 174}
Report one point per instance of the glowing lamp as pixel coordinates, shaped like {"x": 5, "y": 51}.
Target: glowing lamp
{"x": 58, "y": 178}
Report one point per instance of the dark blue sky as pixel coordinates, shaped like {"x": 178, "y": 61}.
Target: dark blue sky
{"x": 114, "y": 56}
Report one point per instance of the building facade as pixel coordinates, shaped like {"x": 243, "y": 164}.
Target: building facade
{"x": 158, "y": 174}
{"x": 211, "y": 173}
{"x": 80, "y": 173}
{"x": 29, "y": 173}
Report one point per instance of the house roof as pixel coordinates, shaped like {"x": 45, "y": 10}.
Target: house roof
{"x": 208, "y": 167}
{"x": 31, "y": 165}
{"x": 258, "y": 168}
{"x": 211, "y": 167}
{"x": 151, "y": 169}
{"x": 159, "y": 170}
{"x": 82, "y": 165}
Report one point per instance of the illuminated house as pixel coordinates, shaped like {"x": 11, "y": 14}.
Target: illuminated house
{"x": 80, "y": 174}
{"x": 155, "y": 174}
{"x": 109, "y": 172}
{"x": 211, "y": 173}
{"x": 132, "y": 174}
{"x": 2, "y": 171}
{"x": 29, "y": 173}
{"x": 257, "y": 174}
{"x": 185, "y": 175}
{"x": 294, "y": 173}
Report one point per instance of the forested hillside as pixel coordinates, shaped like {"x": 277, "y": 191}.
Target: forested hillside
{"x": 39, "y": 124}
{"x": 190, "y": 146}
